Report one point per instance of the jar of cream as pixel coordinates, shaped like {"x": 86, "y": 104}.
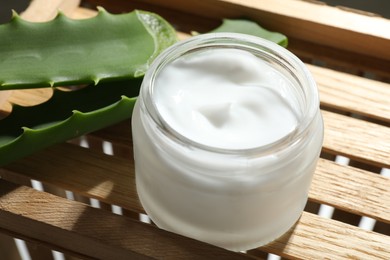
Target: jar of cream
{"x": 227, "y": 132}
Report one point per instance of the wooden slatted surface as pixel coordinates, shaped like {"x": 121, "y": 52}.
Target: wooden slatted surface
{"x": 88, "y": 232}
{"x": 90, "y": 172}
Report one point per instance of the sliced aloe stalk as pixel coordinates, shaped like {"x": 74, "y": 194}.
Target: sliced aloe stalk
{"x": 109, "y": 52}
{"x": 112, "y": 51}
{"x": 64, "y": 116}
{"x": 65, "y": 51}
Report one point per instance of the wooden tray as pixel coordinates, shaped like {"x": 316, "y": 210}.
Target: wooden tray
{"x": 356, "y": 113}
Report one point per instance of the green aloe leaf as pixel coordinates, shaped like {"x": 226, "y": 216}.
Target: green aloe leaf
{"x": 252, "y": 28}
{"x": 64, "y": 116}
{"x": 65, "y": 51}
{"x": 114, "y": 52}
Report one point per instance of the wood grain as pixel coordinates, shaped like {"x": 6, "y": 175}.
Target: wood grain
{"x": 30, "y": 97}
{"x": 352, "y": 190}
{"x": 357, "y": 139}
{"x": 44, "y": 10}
{"x": 353, "y": 94}
{"x": 84, "y": 231}
{"x": 84, "y": 171}
{"x": 314, "y": 237}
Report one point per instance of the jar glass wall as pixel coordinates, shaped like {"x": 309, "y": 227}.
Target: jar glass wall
{"x": 234, "y": 198}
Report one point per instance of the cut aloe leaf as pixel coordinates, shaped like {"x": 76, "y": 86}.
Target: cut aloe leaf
{"x": 64, "y": 116}
{"x": 252, "y": 28}
{"x": 108, "y": 50}
{"x": 65, "y": 51}
{"x": 111, "y": 50}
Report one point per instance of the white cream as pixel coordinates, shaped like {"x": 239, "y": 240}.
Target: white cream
{"x": 263, "y": 112}
{"x": 226, "y": 99}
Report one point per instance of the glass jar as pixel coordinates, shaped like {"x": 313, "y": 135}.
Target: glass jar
{"x": 237, "y": 199}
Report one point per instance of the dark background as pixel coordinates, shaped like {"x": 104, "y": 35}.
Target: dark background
{"x": 381, "y": 7}
{"x": 7, "y": 5}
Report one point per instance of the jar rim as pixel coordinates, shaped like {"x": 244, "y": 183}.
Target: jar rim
{"x": 238, "y": 41}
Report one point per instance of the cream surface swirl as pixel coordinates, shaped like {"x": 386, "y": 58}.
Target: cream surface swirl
{"x": 225, "y": 98}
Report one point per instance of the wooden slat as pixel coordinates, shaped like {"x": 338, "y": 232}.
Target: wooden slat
{"x": 84, "y": 171}
{"x": 314, "y": 237}
{"x": 88, "y": 232}
{"x": 44, "y": 10}
{"x": 357, "y": 139}
{"x": 30, "y": 97}
{"x": 343, "y": 60}
{"x": 82, "y": 13}
{"x": 352, "y": 93}
{"x": 4, "y": 96}
{"x": 351, "y": 189}
{"x": 111, "y": 180}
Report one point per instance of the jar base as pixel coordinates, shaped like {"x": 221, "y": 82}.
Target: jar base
{"x": 233, "y": 242}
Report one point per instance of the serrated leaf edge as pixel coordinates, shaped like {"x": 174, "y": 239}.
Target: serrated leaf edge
{"x": 26, "y": 142}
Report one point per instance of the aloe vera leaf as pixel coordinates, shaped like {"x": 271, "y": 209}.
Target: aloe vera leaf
{"x": 30, "y": 129}
{"x": 64, "y": 116}
{"x": 252, "y": 28}
{"x": 65, "y": 51}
